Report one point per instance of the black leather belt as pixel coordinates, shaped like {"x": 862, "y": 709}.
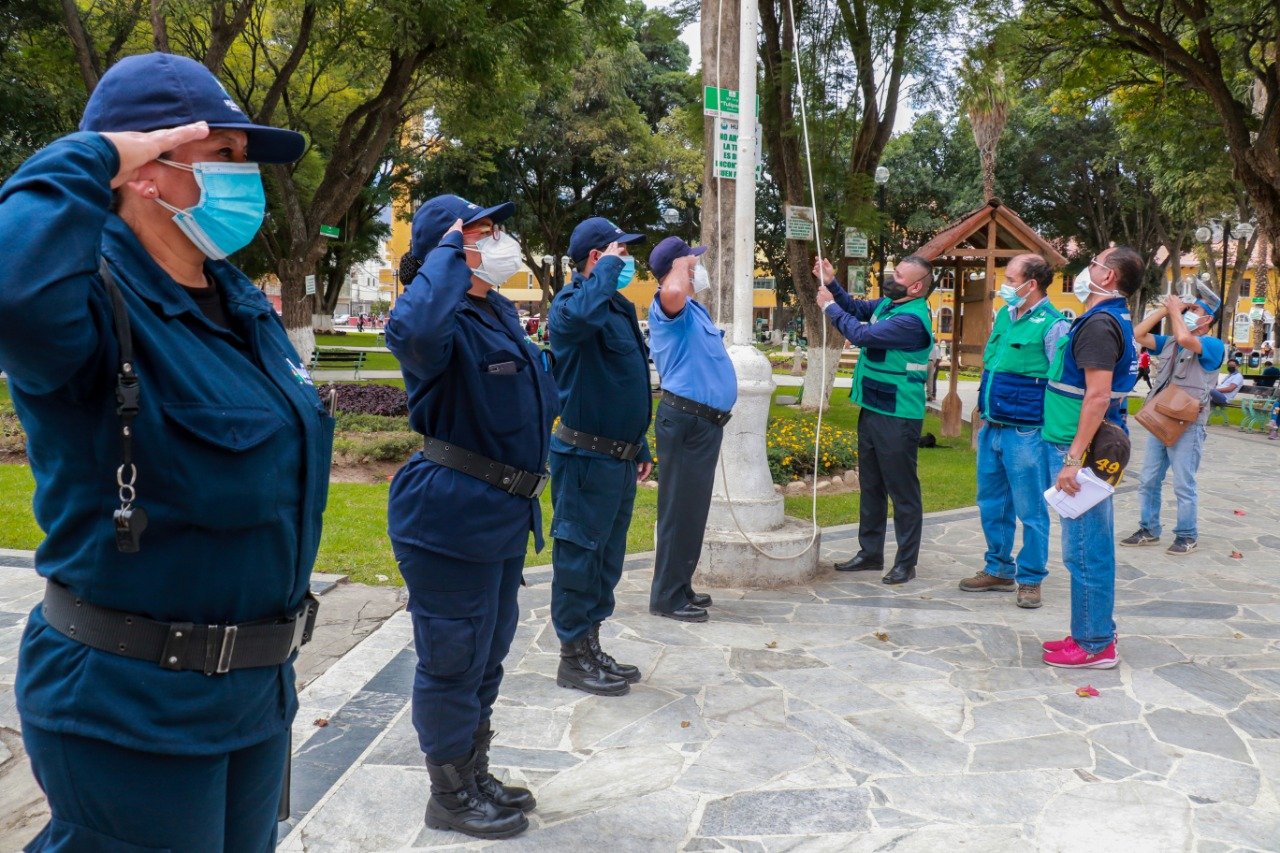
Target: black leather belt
{"x": 507, "y": 478}
{"x": 211, "y": 649}
{"x": 693, "y": 407}
{"x": 608, "y": 446}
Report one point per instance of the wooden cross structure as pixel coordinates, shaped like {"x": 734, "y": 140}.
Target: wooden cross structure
{"x": 977, "y": 243}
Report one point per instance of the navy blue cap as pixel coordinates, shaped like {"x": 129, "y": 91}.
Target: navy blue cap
{"x": 153, "y": 91}
{"x": 667, "y": 252}
{"x": 437, "y": 216}
{"x": 597, "y": 233}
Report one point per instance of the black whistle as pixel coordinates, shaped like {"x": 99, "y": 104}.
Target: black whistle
{"x": 129, "y": 522}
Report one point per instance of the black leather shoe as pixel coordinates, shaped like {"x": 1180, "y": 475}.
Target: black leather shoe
{"x": 699, "y": 599}
{"x": 688, "y": 613}
{"x": 625, "y": 671}
{"x": 899, "y": 574}
{"x": 510, "y": 796}
{"x": 861, "y": 562}
{"x": 580, "y": 669}
{"x": 456, "y": 803}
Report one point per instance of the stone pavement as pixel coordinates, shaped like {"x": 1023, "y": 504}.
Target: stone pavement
{"x": 850, "y": 716}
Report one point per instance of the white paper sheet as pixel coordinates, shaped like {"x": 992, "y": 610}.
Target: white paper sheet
{"x": 1093, "y": 491}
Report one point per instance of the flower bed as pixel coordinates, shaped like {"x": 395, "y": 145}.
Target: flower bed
{"x": 789, "y": 446}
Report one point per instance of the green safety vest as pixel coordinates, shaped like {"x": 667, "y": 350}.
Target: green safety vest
{"x": 1015, "y": 368}
{"x": 891, "y": 381}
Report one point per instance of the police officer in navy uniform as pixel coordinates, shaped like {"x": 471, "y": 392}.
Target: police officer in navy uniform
{"x": 599, "y": 451}
{"x": 461, "y": 510}
{"x": 181, "y": 459}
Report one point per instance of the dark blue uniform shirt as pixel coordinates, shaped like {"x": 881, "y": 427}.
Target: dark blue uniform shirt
{"x": 853, "y": 320}
{"x": 601, "y": 362}
{"x": 446, "y": 346}
{"x": 232, "y": 448}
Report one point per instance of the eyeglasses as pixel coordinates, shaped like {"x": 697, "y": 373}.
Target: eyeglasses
{"x": 1095, "y": 262}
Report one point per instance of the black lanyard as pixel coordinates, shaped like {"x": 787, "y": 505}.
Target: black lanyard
{"x": 129, "y": 520}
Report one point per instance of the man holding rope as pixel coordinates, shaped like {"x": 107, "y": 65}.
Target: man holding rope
{"x": 895, "y": 334}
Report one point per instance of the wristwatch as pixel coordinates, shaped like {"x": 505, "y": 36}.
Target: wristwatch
{"x": 1072, "y": 462}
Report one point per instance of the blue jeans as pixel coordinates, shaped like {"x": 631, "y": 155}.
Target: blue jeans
{"x": 1013, "y": 473}
{"x": 1089, "y": 552}
{"x": 1184, "y": 459}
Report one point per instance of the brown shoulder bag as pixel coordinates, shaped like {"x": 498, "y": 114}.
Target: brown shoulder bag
{"x": 1168, "y": 414}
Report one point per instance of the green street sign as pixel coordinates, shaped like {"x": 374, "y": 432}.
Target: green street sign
{"x": 722, "y": 102}
{"x": 330, "y": 231}
{"x": 1259, "y": 300}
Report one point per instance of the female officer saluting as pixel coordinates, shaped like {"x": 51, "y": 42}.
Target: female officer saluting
{"x": 461, "y": 511}
{"x": 181, "y": 460}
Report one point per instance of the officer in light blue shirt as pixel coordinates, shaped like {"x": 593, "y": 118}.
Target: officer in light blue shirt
{"x": 699, "y": 388}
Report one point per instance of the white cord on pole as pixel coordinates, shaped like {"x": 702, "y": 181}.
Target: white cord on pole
{"x": 813, "y": 200}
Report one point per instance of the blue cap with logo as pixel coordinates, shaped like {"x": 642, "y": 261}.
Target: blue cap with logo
{"x": 154, "y": 91}
{"x": 437, "y": 216}
{"x": 597, "y": 233}
{"x": 667, "y": 252}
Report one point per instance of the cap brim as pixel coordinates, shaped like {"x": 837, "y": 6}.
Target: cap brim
{"x": 630, "y": 238}
{"x": 498, "y": 213}
{"x": 270, "y": 144}
{"x": 697, "y": 250}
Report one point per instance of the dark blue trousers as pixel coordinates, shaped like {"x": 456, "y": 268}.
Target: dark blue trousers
{"x": 593, "y": 497}
{"x": 108, "y": 799}
{"x": 464, "y": 617}
{"x": 689, "y": 447}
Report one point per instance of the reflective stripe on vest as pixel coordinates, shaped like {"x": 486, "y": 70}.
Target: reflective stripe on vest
{"x": 891, "y": 381}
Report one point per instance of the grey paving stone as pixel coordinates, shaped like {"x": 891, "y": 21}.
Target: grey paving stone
{"x": 1010, "y": 719}
{"x": 1209, "y": 779}
{"x": 1234, "y": 825}
{"x": 743, "y": 757}
{"x": 1219, "y": 688}
{"x": 759, "y": 660}
{"x": 1259, "y": 719}
{"x": 609, "y": 777}
{"x": 913, "y": 740}
{"x": 1197, "y": 731}
{"x": 1134, "y": 743}
{"x": 1140, "y": 818}
{"x": 845, "y": 743}
{"x": 975, "y": 799}
{"x": 743, "y": 704}
{"x": 1111, "y": 705}
{"x": 1061, "y": 751}
{"x": 678, "y": 722}
{"x": 793, "y": 812}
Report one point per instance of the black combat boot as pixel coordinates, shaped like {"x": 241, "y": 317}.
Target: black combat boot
{"x": 456, "y": 803}
{"x": 504, "y": 795}
{"x": 625, "y": 671}
{"x": 579, "y": 668}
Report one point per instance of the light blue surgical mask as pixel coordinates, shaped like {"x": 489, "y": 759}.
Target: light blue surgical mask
{"x": 229, "y": 213}
{"x": 1009, "y": 293}
{"x": 628, "y": 271}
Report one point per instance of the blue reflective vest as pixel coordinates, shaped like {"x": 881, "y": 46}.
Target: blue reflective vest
{"x": 1016, "y": 368}
{"x": 1065, "y": 395}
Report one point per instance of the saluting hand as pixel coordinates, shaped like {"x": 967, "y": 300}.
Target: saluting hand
{"x": 456, "y": 226}
{"x": 136, "y": 148}
{"x": 613, "y": 250}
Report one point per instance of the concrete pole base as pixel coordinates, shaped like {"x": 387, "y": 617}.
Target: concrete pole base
{"x": 729, "y": 560}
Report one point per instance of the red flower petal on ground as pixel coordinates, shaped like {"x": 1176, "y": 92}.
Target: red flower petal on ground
{"x": 1086, "y": 691}
{"x": 1236, "y": 555}
{"x": 1239, "y": 512}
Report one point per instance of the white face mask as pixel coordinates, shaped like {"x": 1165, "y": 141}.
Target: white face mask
{"x": 499, "y": 258}
{"x": 701, "y": 281}
{"x": 1192, "y": 321}
{"x": 1083, "y": 286}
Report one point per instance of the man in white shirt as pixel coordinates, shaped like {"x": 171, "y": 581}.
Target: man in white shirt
{"x": 1230, "y": 386}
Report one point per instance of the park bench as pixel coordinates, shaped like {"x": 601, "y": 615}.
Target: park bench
{"x": 337, "y": 359}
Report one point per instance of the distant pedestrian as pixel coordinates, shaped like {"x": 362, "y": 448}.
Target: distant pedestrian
{"x": 1144, "y": 367}
{"x": 1230, "y": 386}
{"x": 360, "y": 322}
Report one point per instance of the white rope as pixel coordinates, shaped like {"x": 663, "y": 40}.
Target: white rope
{"x": 824, "y": 392}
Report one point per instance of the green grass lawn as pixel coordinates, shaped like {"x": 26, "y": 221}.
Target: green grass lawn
{"x": 372, "y": 360}
{"x": 355, "y": 541}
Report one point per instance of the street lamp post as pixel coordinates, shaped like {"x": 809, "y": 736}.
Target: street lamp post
{"x": 882, "y": 178}
{"x": 1208, "y": 233}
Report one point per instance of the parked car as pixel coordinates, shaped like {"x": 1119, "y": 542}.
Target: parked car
{"x": 341, "y": 319}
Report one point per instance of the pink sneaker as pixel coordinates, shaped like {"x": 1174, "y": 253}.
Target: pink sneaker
{"x": 1071, "y": 656}
{"x": 1056, "y": 645}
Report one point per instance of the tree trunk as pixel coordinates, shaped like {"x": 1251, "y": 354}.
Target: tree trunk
{"x": 718, "y": 195}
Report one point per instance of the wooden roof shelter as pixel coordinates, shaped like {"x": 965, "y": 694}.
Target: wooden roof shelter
{"x": 978, "y": 242}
